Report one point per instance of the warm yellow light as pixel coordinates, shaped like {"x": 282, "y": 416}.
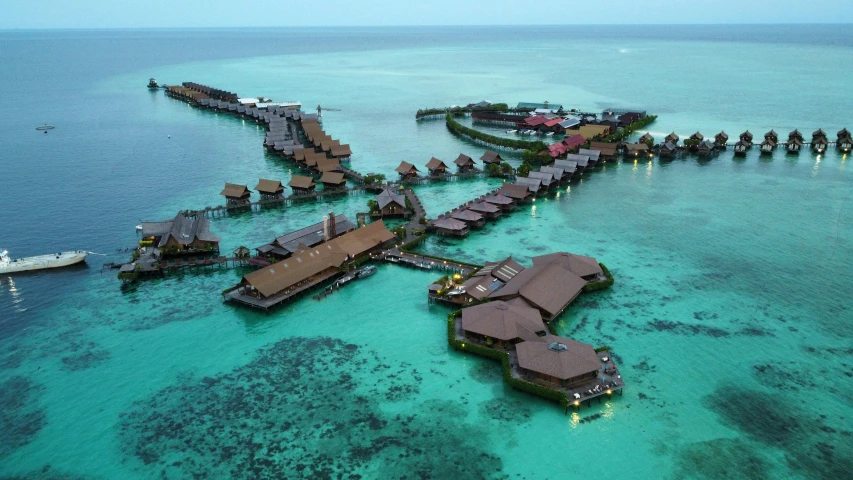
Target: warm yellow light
{"x": 577, "y": 403}
{"x": 609, "y": 392}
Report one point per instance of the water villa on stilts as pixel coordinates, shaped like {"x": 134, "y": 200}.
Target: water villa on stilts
{"x": 270, "y": 189}
{"x": 236, "y": 194}
{"x": 465, "y": 163}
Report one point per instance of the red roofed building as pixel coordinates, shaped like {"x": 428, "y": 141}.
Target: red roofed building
{"x": 575, "y": 141}
{"x": 533, "y": 122}
{"x": 557, "y": 149}
{"x": 554, "y": 124}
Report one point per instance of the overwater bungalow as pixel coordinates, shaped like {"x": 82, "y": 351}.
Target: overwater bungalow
{"x": 705, "y": 148}
{"x": 328, "y": 165}
{"x": 555, "y": 150}
{"x": 465, "y": 163}
{"x": 491, "y": 157}
{"x": 672, "y": 138}
{"x": 582, "y": 161}
{"x": 607, "y": 150}
{"x": 569, "y": 167}
{"x": 518, "y": 193}
{"x": 767, "y": 146}
{"x": 845, "y": 140}
{"x": 741, "y": 147}
{"x": 407, "y": 171}
{"x": 486, "y": 209}
{"x": 668, "y": 149}
{"x": 547, "y": 179}
{"x": 595, "y": 155}
{"x": 391, "y": 204}
{"x": 312, "y": 157}
{"x": 182, "y": 235}
{"x": 236, "y": 194}
{"x": 299, "y": 155}
{"x": 558, "y": 361}
{"x": 505, "y": 203}
{"x": 341, "y": 152}
{"x": 333, "y": 180}
{"x": 557, "y": 173}
{"x": 500, "y": 324}
{"x": 746, "y": 138}
{"x": 471, "y": 218}
{"x": 534, "y": 185}
{"x": 269, "y": 189}
{"x": 795, "y": 142}
{"x": 772, "y": 135}
{"x": 721, "y": 140}
{"x": 697, "y": 138}
{"x": 286, "y": 245}
{"x": 302, "y": 185}
{"x": 327, "y": 144}
{"x": 819, "y": 141}
{"x": 635, "y": 150}
{"x": 271, "y": 286}
{"x": 647, "y": 138}
{"x": 450, "y": 227}
{"x": 436, "y": 167}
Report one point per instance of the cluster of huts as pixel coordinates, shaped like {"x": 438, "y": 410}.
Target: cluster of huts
{"x": 506, "y": 307}
{"x": 290, "y": 132}
{"x": 560, "y": 172}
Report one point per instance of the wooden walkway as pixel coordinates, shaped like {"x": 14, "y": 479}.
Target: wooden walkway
{"x": 424, "y": 262}
{"x": 258, "y": 205}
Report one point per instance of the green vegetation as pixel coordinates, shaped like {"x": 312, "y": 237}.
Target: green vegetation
{"x": 494, "y": 170}
{"x": 506, "y": 168}
{"x": 459, "y": 111}
{"x": 459, "y": 129}
{"x": 523, "y": 169}
{"x": 604, "y": 348}
{"x": 373, "y": 206}
{"x": 503, "y": 357}
{"x": 374, "y": 178}
{"x": 593, "y": 286}
{"x": 400, "y": 232}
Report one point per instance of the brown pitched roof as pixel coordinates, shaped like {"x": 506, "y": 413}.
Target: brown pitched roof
{"x": 341, "y": 150}
{"x": 606, "y": 149}
{"x": 299, "y": 154}
{"x": 334, "y": 178}
{"x": 301, "y": 181}
{"x": 491, "y": 157}
{"x": 498, "y": 200}
{"x": 463, "y": 160}
{"x": 312, "y": 157}
{"x": 406, "y": 167}
{"x": 332, "y": 254}
{"x": 484, "y": 207}
{"x": 466, "y": 216}
{"x": 233, "y": 190}
{"x": 557, "y": 357}
{"x": 501, "y": 321}
{"x": 387, "y": 196}
{"x": 518, "y": 192}
{"x": 552, "y": 289}
{"x": 328, "y": 164}
{"x": 269, "y": 186}
{"x": 326, "y": 145}
{"x": 578, "y": 264}
{"x": 434, "y": 163}
{"x": 450, "y": 224}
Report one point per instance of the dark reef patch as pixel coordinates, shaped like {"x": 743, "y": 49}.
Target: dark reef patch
{"x": 306, "y": 407}
{"x": 812, "y": 447}
{"x": 486, "y": 371}
{"x": 46, "y": 473}
{"x": 20, "y": 417}
{"x": 86, "y": 359}
{"x": 721, "y": 459}
{"x": 507, "y": 410}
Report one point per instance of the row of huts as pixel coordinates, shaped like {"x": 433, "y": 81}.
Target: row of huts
{"x": 436, "y": 168}
{"x": 794, "y": 144}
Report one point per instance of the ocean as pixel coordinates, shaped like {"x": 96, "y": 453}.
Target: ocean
{"x": 730, "y": 316}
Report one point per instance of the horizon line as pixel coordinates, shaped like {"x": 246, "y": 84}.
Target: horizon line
{"x": 274, "y": 27}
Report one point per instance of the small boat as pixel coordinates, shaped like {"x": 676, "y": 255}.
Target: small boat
{"x": 45, "y": 128}
{"x": 512, "y": 131}
{"x": 366, "y": 271}
{"x": 152, "y": 83}
{"x": 139, "y": 228}
{"x": 40, "y": 262}
{"x": 549, "y": 134}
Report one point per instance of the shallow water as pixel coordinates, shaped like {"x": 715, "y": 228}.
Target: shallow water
{"x": 729, "y": 318}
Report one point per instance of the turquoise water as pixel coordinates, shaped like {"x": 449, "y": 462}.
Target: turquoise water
{"x": 729, "y": 318}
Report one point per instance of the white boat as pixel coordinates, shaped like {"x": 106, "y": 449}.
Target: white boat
{"x": 511, "y": 131}
{"x": 40, "y": 262}
{"x": 549, "y": 134}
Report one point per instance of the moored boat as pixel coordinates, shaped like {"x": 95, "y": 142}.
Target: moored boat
{"x": 366, "y": 271}
{"x": 40, "y": 262}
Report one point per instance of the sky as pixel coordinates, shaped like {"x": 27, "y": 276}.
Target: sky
{"x": 50, "y": 14}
